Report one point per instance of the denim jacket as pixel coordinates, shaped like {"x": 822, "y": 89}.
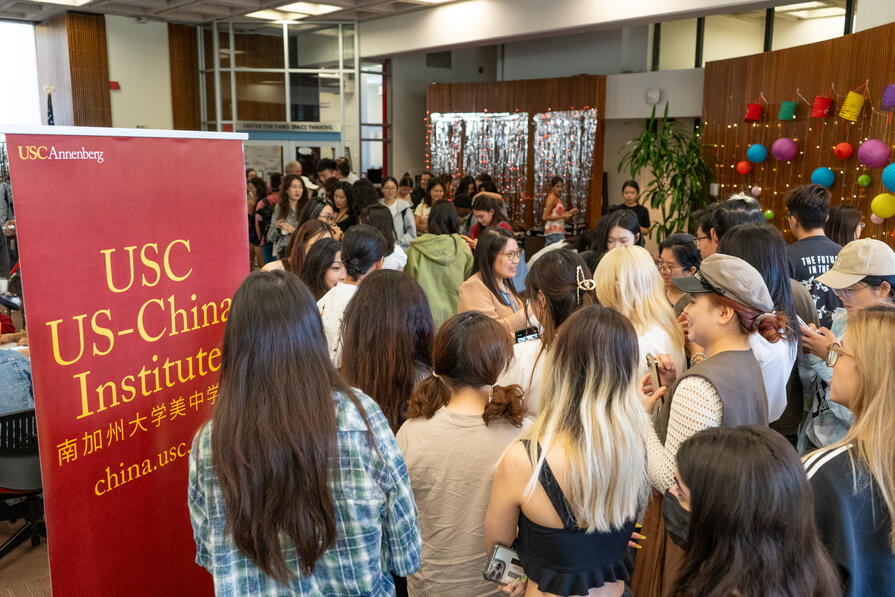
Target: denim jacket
{"x": 15, "y": 382}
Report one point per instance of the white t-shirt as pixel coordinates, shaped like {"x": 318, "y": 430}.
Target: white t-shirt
{"x": 655, "y": 341}
{"x": 525, "y": 370}
{"x": 397, "y": 260}
{"x": 332, "y": 306}
{"x": 776, "y": 360}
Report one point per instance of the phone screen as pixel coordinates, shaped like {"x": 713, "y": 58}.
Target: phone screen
{"x": 526, "y": 334}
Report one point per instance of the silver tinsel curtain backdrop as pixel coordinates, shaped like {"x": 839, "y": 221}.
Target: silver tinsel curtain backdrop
{"x": 493, "y": 143}
{"x": 564, "y": 146}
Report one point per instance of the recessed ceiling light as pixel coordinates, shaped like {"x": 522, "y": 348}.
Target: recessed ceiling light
{"x": 67, "y": 2}
{"x": 276, "y": 15}
{"x": 310, "y": 8}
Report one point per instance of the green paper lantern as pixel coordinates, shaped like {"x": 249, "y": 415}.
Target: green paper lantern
{"x": 864, "y": 180}
{"x": 769, "y": 214}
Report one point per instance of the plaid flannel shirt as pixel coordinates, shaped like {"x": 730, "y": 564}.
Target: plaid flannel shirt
{"x": 376, "y": 518}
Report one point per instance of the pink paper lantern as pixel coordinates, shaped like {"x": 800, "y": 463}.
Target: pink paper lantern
{"x": 873, "y": 153}
{"x": 756, "y": 191}
{"x": 784, "y": 149}
{"x": 876, "y": 219}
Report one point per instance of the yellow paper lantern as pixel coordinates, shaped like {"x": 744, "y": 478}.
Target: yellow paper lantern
{"x": 883, "y": 205}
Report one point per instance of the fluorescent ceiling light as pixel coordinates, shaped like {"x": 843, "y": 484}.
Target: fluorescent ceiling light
{"x": 801, "y": 6}
{"x": 67, "y": 2}
{"x": 818, "y": 13}
{"x": 275, "y": 15}
{"x": 310, "y": 8}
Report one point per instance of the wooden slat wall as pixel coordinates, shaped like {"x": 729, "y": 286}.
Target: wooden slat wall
{"x": 532, "y": 96}
{"x": 89, "y": 69}
{"x": 184, "y": 57}
{"x": 846, "y": 62}
{"x": 53, "y": 68}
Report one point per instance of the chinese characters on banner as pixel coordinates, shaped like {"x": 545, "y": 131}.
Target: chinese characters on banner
{"x": 131, "y": 247}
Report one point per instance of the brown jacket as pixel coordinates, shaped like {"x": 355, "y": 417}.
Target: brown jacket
{"x": 475, "y": 296}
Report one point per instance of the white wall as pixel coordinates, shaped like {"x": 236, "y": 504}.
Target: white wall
{"x": 592, "y": 53}
{"x": 788, "y": 34}
{"x": 20, "y": 102}
{"x": 731, "y": 37}
{"x": 873, "y": 13}
{"x": 139, "y": 61}
{"x": 677, "y": 44}
{"x": 410, "y": 79}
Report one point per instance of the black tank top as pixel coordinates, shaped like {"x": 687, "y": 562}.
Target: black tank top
{"x": 571, "y": 561}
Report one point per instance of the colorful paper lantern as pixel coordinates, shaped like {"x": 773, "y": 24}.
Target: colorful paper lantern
{"x": 756, "y": 191}
{"x": 753, "y": 112}
{"x": 852, "y": 106}
{"x": 744, "y": 168}
{"x": 784, "y": 149}
{"x": 769, "y": 214}
{"x": 822, "y": 106}
{"x": 787, "y": 111}
{"x": 883, "y": 205}
{"x": 888, "y": 103}
{"x": 873, "y": 153}
{"x": 824, "y": 177}
{"x": 844, "y": 150}
{"x": 888, "y": 177}
{"x": 756, "y": 153}
{"x": 876, "y": 219}
{"x": 864, "y": 180}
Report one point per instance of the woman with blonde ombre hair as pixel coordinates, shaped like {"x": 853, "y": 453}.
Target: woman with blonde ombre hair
{"x": 854, "y": 479}
{"x": 627, "y": 280}
{"x": 569, "y": 491}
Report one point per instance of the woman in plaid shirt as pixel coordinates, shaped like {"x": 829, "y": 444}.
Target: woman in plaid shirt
{"x": 297, "y": 485}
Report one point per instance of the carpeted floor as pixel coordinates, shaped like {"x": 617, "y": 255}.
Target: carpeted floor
{"x": 26, "y": 571}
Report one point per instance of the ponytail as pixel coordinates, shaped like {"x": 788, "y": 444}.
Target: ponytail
{"x": 506, "y": 403}
{"x": 429, "y": 395}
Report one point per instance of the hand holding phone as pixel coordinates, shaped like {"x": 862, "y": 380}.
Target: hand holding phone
{"x": 503, "y": 566}
{"x": 652, "y": 364}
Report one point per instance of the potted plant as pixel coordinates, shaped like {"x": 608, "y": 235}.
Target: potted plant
{"x": 680, "y": 173}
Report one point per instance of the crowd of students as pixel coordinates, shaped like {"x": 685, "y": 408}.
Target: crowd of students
{"x": 626, "y": 424}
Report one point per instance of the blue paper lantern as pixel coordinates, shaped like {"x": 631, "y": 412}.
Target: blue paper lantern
{"x": 824, "y": 177}
{"x": 756, "y": 153}
{"x": 889, "y": 177}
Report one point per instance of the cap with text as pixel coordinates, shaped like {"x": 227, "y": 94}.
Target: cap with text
{"x": 858, "y": 259}
{"x": 731, "y": 277}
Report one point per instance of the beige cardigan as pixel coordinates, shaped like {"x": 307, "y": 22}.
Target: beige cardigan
{"x": 475, "y": 296}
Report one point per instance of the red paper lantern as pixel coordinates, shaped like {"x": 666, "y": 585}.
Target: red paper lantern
{"x": 744, "y": 168}
{"x": 753, "y": 112}
{"x": 844, "y": 150}
{"x": 822, "y": 106}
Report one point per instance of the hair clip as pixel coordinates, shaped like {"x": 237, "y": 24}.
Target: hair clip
{"x": 584, "y": 283}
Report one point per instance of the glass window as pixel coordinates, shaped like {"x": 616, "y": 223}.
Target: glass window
{"x": 348, "y": 46}
{"x": 806, "y": 23}
{"x": 258, "y": 46}
{"x": 314, "y": 97}
{"x": 372, "y": 92}
{"x": 314, "y": 46}
{"x": 210, "y": 113}
{"x": 372, "y": 153}
{"x": 223, "y": 45}
{"x": 677, "y": 44}
{"x": 260, "y": 96}
{"x": 374, "y": 132}
{"x": 732, "y": 36}
{"x": 226, "y": 106}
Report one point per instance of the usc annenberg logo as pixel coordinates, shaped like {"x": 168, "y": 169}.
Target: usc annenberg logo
{"x": 42, "y": 152}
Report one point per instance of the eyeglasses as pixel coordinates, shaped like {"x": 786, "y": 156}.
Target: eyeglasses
{"x": 846, "y": 293}
{"x": 699, "y": 238}
{"x": 833, "y": 352}
{"x": 667, "y": 267}
{"x": 512, "y": 255}
{"x": 328, "y": 219}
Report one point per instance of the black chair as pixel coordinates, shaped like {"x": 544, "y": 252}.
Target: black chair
{"x": 20, "y": 481}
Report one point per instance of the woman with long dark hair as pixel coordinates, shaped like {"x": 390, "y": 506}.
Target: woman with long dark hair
{"x": 269, "y": 471}
{"x": 489, "y": 211}
{"x": 458, "y": 425}
{"x": 435, "y": 191}
{"x": 300, "y": 243}
{"x": 730, "y": 303}
{"x": 293, "y": 196}
{"x": 567, "y": 495}
{"x": 616, "y": 229}
{"x": 751, "y": 529}
{"x": 323, "y": 267}
{"x": 762, "y": 246}
{"x": 258, "y": 190}
{"x": 440, "y": 261}
{"x": 555, "y": 214}
{"x": 558, "y": 285}
{"x": 844, "y": 224}
{"x": 490, "y": 288}
{"x": 379, "y": 217}
{"x": 344, "y": 216}
{"x": 387, "y": 335}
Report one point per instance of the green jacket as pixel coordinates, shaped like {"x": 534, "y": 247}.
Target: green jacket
{"x": 440, "y": 263}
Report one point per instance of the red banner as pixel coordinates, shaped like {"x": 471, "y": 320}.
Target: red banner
{"x": 131, "y": 248}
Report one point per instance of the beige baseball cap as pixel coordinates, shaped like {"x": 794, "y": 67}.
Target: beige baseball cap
{"x": 857, "y": 259}
{"x": 731, "y": 277}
